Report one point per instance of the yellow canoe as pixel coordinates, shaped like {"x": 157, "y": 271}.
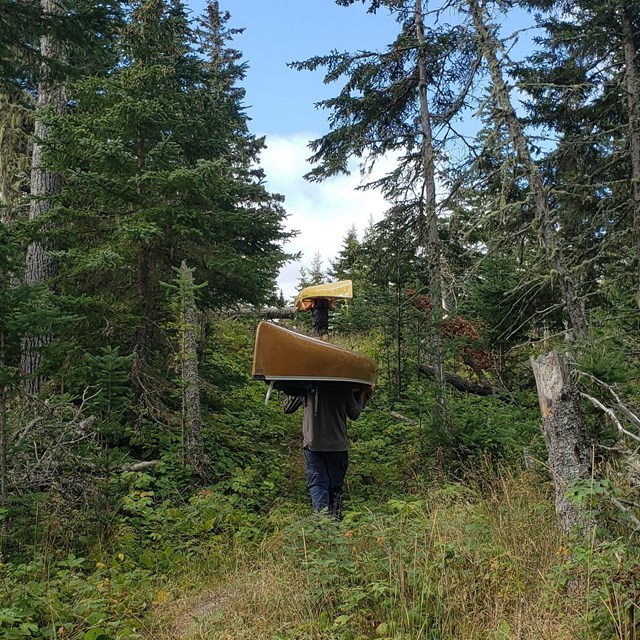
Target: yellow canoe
{"x": 342, "y": 290}
{"x": 284, "y": 356}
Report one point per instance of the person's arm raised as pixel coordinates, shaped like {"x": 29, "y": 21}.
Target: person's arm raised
{"x": 292, "y": 403}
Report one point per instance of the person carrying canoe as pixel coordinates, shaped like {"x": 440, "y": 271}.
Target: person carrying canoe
{"x": 320, "y": 308}
{"x": 327, "y": 405}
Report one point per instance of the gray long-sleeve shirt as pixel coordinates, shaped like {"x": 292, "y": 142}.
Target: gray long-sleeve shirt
{"x": 327, "y": 405}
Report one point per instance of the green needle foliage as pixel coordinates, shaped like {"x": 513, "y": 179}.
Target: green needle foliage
{"x": 159, "y": 167}
{"x": 149, "y": 491}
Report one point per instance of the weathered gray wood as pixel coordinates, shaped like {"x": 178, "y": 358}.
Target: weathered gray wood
{"x": 143, "y": 465}
{"x": 4, "y": 433}
{"x": 191, "y": 407}
{"x": 266, "y": 313}
{"x": 44, "y": 184}
{"x": 565, "y": 433}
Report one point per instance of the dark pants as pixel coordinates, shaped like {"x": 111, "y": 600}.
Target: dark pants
{"x": 320, "y": 318}
{"x": 325, "y": 476}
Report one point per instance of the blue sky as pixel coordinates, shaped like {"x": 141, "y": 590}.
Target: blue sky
{"x": 281, "y": 104}
{"x": 281, "y": 100}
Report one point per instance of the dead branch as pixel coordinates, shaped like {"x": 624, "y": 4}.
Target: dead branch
{"x": 627, "y": 512}
{"x": 611, "y": 415}
{"x": 628, "y": 414}
{"x": 267, "y": 313}
{"x": 140, "y": 466}
{"x": 402, "y": 418}
{"x": 458, "y": 382}
{"x": 468, "y": 359}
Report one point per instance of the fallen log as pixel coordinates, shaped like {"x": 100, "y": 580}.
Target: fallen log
{"x": 458, "y": 382}
{"x": 266, "y": 313}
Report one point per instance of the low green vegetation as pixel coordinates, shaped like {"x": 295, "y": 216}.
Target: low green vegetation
{"x": 448, "y": 533}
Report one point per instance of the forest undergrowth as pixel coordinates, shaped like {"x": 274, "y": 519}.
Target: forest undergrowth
{"x": 447, "y": 534}
{"x": 460, "y": 560}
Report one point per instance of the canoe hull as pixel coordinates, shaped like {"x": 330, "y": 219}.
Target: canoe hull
{"x": 342, "y": 290}
{"x": 288, "y": 358}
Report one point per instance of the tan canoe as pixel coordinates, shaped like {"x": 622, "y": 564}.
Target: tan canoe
{"x": 281, "y": 355}
{"x": 342, "y": 290}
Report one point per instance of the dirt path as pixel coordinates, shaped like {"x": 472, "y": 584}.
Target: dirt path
{"x": 194, "y": 613}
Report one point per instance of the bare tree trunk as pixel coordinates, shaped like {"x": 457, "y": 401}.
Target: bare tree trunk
{"x": 4, "y": 433}
{"x": 144, "y": 267}
{"x": 144, "y": 292}
{"x": 399, "y": 339}
{"x": 191, "y": 408}
{"x": 44, "y": 184}
{"x": 565, "y": 433}
{"x": 429, "y": 236}
{"x": 633, "y": 107}
{"x": 573, "y": 304}
{"x": 4, "y": 447}
{"x": 14, "y": 154}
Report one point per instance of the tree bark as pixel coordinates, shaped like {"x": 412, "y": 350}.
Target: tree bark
{"x": 191, "y": 408}
{"x": 565, "y": 433}
{"x": 552, "y": 245}
{"x": 44, "y": 185}
{"x": 4, "y": 431}
{"x": 633, "y": 108}
{"x": 429, "y": 235}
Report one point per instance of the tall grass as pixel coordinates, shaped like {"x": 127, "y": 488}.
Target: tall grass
{"x": 473, "y": 561}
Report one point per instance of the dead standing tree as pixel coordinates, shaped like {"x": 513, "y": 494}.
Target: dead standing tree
{"x": 191, "y": 414}
{"x": 565, "y": 433}
{"x": 563, "y": 423}
{"x": 44, "y": 184}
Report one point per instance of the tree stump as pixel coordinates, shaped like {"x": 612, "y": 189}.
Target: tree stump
{"x": 565, "y": 433}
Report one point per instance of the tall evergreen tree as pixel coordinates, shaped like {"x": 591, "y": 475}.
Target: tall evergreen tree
{"x": 314, "y": 275}
{"x": 161, "y": 168}
{"x": 584, "y": 79}
{"x": 401, "y": 101}
{"x": 45, "y": 185}
{"x": 555, "y": 251}
{"x": 342, "y": 266}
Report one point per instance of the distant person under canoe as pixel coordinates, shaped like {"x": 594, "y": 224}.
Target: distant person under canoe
{"x": 327, "y": 405}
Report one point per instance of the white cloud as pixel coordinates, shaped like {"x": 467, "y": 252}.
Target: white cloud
{"x": 323, "y": 212}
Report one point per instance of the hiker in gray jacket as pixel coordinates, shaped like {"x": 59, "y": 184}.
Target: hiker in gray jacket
{"x": 327, "y": 405}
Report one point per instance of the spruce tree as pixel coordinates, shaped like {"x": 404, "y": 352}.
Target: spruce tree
{"x": 45, "y": 185}
{"x": 390, "y": 104}
{"x": 584, "y": 83}
{"x": 160, "y": 167}
{"x": 343, "y": 265}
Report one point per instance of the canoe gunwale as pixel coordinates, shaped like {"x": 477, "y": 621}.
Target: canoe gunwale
{"x": 368, "y": 383}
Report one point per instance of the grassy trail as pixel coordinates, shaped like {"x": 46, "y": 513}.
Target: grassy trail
{"x": 454, "y": 563}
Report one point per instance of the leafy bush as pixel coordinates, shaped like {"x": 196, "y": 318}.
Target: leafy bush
{"x": 73, "y": 598}
{"x": 486, "y": 427}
